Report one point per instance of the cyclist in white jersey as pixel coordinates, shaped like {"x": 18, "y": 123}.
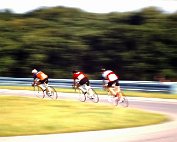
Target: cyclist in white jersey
{"x": 111, "y": 78}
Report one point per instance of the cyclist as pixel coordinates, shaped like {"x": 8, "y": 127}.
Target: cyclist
{"x": 80, "y": 79}
{"x": 40, "y": 78}
{"x": 111, "y": 78}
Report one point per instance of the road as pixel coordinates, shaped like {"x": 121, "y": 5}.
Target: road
{"x": 165, "y": 132}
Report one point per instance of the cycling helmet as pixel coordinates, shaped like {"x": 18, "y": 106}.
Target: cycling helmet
{"x": 34, "y": 71}
{"x": 74, "y": 71}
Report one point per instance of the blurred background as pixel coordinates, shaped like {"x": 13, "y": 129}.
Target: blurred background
{"x": 137, "y": 45}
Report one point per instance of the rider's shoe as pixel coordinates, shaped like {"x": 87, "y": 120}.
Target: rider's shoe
{"x": 49, "y": 93}
{"x": 116, "y": 98}
{"x": 91, "y": 97}
{"x": 121, "y": 100}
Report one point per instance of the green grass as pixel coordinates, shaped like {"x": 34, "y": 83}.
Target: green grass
{"x": 102, "y": 92}
{"x": 28, "y": 116}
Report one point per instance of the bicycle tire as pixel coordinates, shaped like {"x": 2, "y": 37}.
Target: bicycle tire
{"x": 38, "y": 92}
{"x": 115, "y": 101}
{"x": 82, "y": 96}
{"x": 111, "y": 99}
{"x": 53, "y": 93}
{"x": 95, "y": 97}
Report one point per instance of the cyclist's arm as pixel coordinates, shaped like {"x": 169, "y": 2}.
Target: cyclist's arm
{"x": 74, "y": 83}
{"x": 34, "y": 81}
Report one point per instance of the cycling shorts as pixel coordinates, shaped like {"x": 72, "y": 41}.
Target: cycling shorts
{"x": 116, "y": 82}
{"x": 84, "y": 81}
{"x": 44, "y": 81}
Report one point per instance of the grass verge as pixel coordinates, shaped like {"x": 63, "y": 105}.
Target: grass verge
{"x": 28, "y": 116}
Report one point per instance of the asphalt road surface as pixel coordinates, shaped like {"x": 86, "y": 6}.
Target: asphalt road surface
{"x": 165, "y": 132}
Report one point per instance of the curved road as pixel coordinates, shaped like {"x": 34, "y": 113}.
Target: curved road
{"x": 165, "y": 132}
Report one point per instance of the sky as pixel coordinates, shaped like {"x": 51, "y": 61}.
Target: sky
{"x": 94, "y": 6}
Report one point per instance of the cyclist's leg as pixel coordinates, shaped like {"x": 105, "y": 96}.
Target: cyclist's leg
{"x": 118, "y": 90}
{"x": 39, "y": 84}
{"x": 45, "y": 82}
{"x": 82, "y": 89}
{"x": 111, "y": 89}
{"x": 88, "y": 87}
{"x": 90, "y": 91}
{"x": 81, "y": 84}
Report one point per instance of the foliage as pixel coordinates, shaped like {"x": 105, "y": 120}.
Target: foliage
{"x": 58, "y": 39}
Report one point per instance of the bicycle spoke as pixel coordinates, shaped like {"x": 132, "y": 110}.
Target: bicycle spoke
{"x": 38, "y": 92}
{"x": 95, "y": 97}
{"x": 53, "y": 93}
{"x": 124, "y": 102}
{"x": 82, "y": 96}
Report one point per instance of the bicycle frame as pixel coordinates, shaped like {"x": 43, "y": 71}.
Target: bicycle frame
{"x": 42, "y": 92}
{"x": 115, "y": 100}
{"x": 106, "y": 88}
{"x": 82, "y": 96}
{"x": 77, "y": 85}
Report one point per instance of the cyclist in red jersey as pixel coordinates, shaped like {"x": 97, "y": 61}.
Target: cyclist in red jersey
{"x": 81, "y": 80}
{"x": 111, "y": 78}
{"x": 40, "y": 78}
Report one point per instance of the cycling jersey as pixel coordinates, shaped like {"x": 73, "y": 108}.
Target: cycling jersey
{"x": 78, "y": 75}
{"x": 40, "y": 75}
{"x": 109, "y": 75}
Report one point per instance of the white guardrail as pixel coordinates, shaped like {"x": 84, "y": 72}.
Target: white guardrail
{"x": 147, "y": 86}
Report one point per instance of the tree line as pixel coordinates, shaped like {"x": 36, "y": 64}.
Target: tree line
{"x": 137, "y": 45}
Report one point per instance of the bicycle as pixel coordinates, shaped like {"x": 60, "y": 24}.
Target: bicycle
{"x": 41, "y": 92}
{"x": 115, "y": 101}
{"x": 83, "y": 96}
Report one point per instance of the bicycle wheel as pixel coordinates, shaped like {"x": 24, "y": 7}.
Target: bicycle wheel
{"x": 113, "y": 100}
{"x": 82, "y": 96}
{"x": 38, "y": 92}
{"x": 124, "y": 102}
{"x": 95, "y": 97}
{"x": 53, "y": 93}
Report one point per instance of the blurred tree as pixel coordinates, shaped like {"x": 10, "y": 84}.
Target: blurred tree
{"x": 137, "y": 45}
